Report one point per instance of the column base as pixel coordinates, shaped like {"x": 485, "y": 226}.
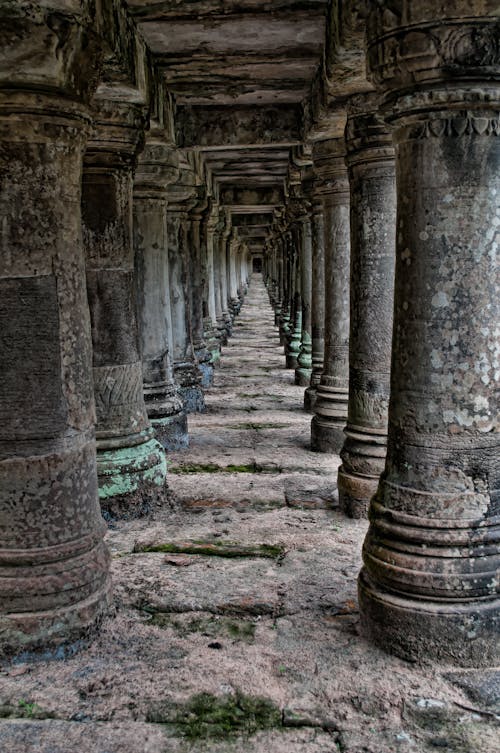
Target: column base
{"x": 465, "y": 634}
{"x": 302, "y": 376}
{"x": 326, "y": 436}
{"x": 129, "y": 477}
{"x": 310, "y": 395}
{"x": 193, "y": 398}
{"x": 355, "y": 493}
{"x": 56, "y": 633}
{"x": 291, "y": 360}
{"x": 172, "y": 431}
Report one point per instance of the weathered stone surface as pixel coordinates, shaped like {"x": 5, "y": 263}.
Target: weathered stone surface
{"x": 429, "y": 589}
{"x": 128, "y": 456}
{"x": 330, "y": 407}
{"x": 373, "y": 227}
{"x": 54, "y": 585}
{"x": 156, "y": 170}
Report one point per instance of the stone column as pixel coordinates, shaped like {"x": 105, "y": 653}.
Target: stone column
{"x": 232, "y": 251}
{"x": 373, "y": 226}
{"x": 429, "y": 587}
{"x": 292, "y": 347}
{"x": 285, "y": 316}
{"x": 330, "y": 409}
{"x": 197, "y": 274}
{"x": 318, "y": 301}
{"x": 53, "y": 564}
{"x": 181, "y": 199}
{"x": 156, "y": 169}
{"x": 304, "y": 360}
{"x": 212, "y": 334}
{"x": 223, "y": 241}
{"x": 219, "y": 312}
{"x": 130, "y": 462}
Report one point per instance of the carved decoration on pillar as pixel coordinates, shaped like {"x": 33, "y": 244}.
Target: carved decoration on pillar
{"x": 54, "y": 566}
{"x": 429, "y": 586}
{"x": 157, "y": 168}
{"x": 370, "y": 158}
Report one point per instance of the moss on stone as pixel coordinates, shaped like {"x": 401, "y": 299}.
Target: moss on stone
{"x": 213, "y": 468}
{"x": 212, "y": 627}
{"x": 257, "y": 426}
{"x": 206, "y": 716}
{"x": 214, "y": 549}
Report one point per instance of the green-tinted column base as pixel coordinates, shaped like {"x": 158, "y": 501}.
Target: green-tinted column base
{"x": 131, "y": 478}
{"x": 302, "y": 375}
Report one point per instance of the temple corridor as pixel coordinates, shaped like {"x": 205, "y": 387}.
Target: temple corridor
{"x": 236, "y": 625}
{"x": 249, "y": 376}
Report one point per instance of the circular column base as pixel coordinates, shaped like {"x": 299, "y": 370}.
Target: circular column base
{"x": 206, "y": 371}
{"x": 303, "y": 376}
{"x": 355, "y": 493}
{"x": 310, "y": 396}
{"x": 57, "y": 632}
{"x": 326, "y": 436}
{"x": 129, "y": 478}
{"x": 172, "y": 431}
{"x": 291, "y": 360}
{"x": 193, "y": 398}
{"x": 465, "y": 634}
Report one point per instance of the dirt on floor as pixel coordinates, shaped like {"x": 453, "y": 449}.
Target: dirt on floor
{"x": 235, "y": 627}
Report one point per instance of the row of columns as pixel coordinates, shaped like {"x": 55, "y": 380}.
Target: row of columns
{"x": 107, "y": 288}
{"x": 409, "y": 210}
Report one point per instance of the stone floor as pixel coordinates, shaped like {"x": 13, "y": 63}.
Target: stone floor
{"x": 236, "y": 623}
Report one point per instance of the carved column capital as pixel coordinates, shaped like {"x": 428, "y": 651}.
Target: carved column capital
{"x": 422, "y": 56}
{"x": 157, "y": 168}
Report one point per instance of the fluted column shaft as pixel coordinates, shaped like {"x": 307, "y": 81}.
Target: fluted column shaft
{"x": 129, "y": 459}
{"x": 429, "y": 587}
{"x": 54, "y": 584}
{"x": 373, "y": 229}
{"x": 330, "y": 409}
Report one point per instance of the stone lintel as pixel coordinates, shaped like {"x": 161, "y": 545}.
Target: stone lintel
{"x": 241, "y": 126}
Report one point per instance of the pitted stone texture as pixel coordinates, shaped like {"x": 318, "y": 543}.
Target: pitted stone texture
{"x": 54, "y": 582}
{"x": 429, "y": 587}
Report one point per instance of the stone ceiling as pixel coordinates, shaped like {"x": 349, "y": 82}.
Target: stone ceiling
{"x": 240, "y": 71}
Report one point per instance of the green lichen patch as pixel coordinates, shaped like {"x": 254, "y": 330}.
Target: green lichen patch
{"x": 258, "y": 427}
{"x": 206, "y": 716}
{"x": 211, "y": 627}
{"x": 231, "y": 468}
{"x": 213, "y": 549}
{"x": 23, "y": 709}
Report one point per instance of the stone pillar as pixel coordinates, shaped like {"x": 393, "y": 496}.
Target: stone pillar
{"x": 292, "y": 347}
{"x": 232, "y": 251}
{"x": 317, "y": 301}
{"x": 54, "y": 581}
{"x": 212, "y": 334}
{"x": 197, "y": 274}
{"x": 304, "y": 360}
{"x": 373, "y": 226}
{"x": 429, "y": 586}
{"x": 285, "y": 315}
{"x": 181, "y": 199}
{"x": 223, "y": 241}
{"x": 156, "y": 169}
{"x": 330, "y": 409}
{"x": 219, "y": 311}
{"x": 130, "y": 462}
